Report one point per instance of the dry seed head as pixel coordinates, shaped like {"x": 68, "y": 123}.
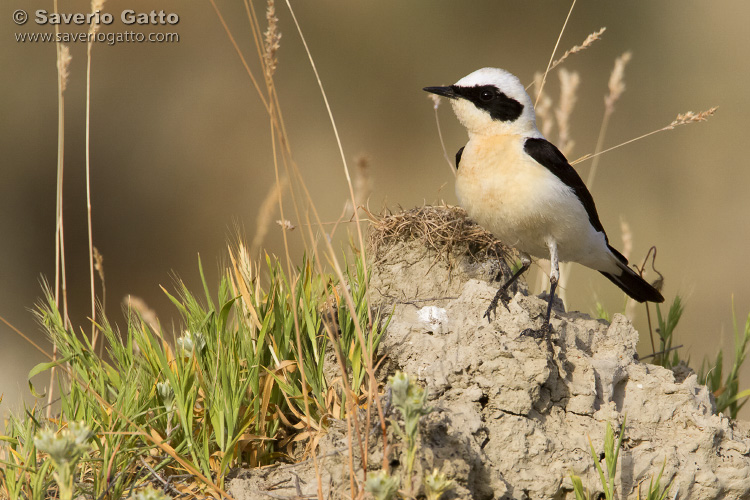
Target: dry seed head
{"x": 96, "y": 6}
{"x": 569, "y": 82}
{"x": 99, "y": 263}
{"x": 617, "y": 81}
{"x": 272, "y": 40}
{"x": 577, "y": 48}
{"x": 245, "y": 263}
{"x": 63, "y": 63}
{"x": 690, "y": 117}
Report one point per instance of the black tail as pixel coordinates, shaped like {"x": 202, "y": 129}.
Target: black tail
{"x": 634, "y": 285}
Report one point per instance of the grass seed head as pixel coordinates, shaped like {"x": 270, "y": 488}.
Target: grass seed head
{"x": 63, "y": 65}
{"x": 690, "y": 117}
{"x": 593, "y": 37}
{"x": 272, "y": 39}
{"x": 617, "y": 81}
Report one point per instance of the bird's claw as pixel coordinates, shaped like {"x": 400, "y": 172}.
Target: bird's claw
{"x": 539, "y": 334}
{"x": 501, "y": 297}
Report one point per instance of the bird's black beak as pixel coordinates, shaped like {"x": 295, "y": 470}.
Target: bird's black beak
{"x": 442, "y": 91}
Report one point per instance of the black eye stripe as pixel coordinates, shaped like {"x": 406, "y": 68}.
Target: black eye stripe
{"x": 501, "y": 107}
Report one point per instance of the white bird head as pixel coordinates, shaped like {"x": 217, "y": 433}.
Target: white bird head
{"x": 491, "y": 101}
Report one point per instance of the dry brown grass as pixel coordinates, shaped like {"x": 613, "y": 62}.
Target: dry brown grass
{"x": 443, "y": 229}
{"x": 593, "y": 37}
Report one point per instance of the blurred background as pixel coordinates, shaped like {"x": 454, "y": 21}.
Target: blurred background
{"x": 181, "y": 151}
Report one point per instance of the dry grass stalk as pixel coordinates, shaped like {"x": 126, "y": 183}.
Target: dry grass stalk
{"x": 373, "y": 395}
{"x": 593, "y": 37}
{"x": 99, "y": 267}
{"x": 616, "y": 87}
{"x": 435, "y": 104}
{"x": 690, "y": 117}
{"x": 682, "y": 119}
{"x": 617, "y": 82}
{"x": 245, "y": 65}
{"x": 96, "y": 6}
{"x": 552, "y": 56}
{"x": 63, "y": 65}
{"x": 435, "y": 100}
{"x": 569, "y": 82}
{"x": 242, "y": 276}
{"x": 271, "y": 40}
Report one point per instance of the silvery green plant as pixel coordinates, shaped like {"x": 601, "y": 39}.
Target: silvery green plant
{"x": 381, "y": 485}
{"x": 166, "y": 394}
{"x": 191, "y": 342}
{"x": 410, "y": 399}
{"x": 435, "y": 484}
{"x": 65, "y": 450}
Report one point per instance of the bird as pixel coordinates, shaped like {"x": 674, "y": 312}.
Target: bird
{"x": 521, "y": 188}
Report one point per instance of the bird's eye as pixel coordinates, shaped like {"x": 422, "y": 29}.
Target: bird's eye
{"x": 487, "y": 95}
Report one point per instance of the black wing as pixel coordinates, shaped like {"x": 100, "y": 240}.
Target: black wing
{"x": 547, "y": 155}
{"x": 458, "y": 156}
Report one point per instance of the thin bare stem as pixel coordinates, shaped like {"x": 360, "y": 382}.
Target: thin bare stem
{"x": 593, "y": 37}
{"x": 435, "y": 104}
{"x": 47, "y": 355}
{"x": 333, "y": 260}
{"x": 682, "y": 119}
{"x": 63, "y": 61}
{"x": 242, "y": 58}
{"x": 94, "y": 331}
{"x": 616, "y": 88}
{"x": 552, "y": 56}
{"x": 333, "y": 123}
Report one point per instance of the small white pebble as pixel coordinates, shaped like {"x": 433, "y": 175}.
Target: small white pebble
{"x": 434, "y": 318}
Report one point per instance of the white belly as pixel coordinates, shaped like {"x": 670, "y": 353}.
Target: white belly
{"x": 524, "y": 205}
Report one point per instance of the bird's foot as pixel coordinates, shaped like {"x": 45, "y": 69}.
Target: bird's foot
{"x": 539, "y": 334}
{"x": 502, "y": 297}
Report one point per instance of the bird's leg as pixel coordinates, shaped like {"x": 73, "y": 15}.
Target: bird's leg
{"x": 554, "y": 277}
{"x": 500, "y": 295}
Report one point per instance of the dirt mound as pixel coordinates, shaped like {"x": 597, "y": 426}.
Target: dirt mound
{"x": 512, "y": 415}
